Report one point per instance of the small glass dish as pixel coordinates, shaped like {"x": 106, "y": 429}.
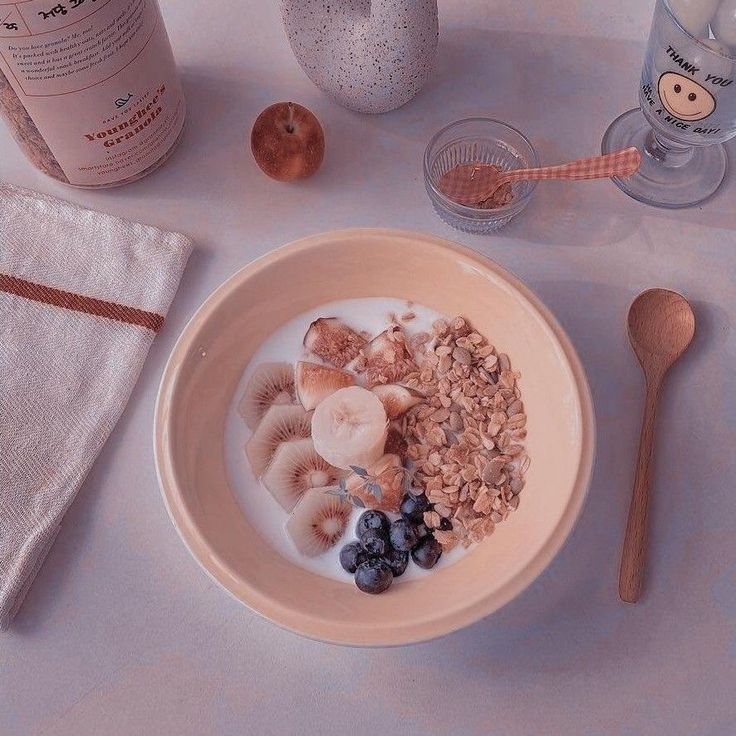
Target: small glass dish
{"x": 478, "y": 140}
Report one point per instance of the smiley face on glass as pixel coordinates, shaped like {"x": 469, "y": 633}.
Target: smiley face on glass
{"x": 684, "y": 97}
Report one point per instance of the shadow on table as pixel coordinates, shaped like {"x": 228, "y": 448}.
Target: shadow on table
{"x": 509, "y": 76}
{"x": 571, "y": 614}
{"x": 573, "y": 606}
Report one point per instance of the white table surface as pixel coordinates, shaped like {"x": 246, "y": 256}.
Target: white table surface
{"x": 122, "y": 633}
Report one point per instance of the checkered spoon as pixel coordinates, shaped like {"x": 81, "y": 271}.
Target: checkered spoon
{"x": 472, "y": 184}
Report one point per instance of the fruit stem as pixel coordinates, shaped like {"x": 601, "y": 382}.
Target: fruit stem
{"x": 290, "y": 121}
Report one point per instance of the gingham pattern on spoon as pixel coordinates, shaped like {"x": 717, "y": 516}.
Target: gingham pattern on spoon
{"x": 473, "y": 183}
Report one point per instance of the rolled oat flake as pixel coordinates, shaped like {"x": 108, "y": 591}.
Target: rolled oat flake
{"x": 89, "y": 88}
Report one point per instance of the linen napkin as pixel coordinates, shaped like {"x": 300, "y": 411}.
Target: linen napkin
{"x": 82, "y": 296}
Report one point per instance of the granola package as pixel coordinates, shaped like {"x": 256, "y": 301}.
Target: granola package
{"x": 89, "y": 88}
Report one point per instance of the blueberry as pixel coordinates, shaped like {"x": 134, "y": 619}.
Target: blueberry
{"x": 413, "y": 507}
{"x": 351, "y": 555}
{"x": 445, "y": 525}
{"x": 397, "y": 561}
{"x": 403, "y": 535}
{"x": 422, "y": 531}
{"x": 374, "y": 576}
{"x": 375, "y": 543}
{"x": 427, "y": 553}
{"x": 373, "y": 521}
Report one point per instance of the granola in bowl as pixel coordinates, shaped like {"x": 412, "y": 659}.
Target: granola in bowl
{"x": 467, "y": 439}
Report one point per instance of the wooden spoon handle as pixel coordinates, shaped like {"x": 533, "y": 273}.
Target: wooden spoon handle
{"x": 621, "y": 163}
{"x": 631, "y": 573}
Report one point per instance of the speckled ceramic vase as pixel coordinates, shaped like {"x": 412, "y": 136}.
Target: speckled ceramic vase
{"x": 371, "y": 56}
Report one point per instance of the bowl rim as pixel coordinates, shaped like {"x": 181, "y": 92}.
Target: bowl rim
{"x": 305, "y": 623}
{"x": 465, "y": 210}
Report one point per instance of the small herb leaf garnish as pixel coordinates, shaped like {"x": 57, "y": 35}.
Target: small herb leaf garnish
{"x": 370, "y": 484}
{"x": 375, "y": 488}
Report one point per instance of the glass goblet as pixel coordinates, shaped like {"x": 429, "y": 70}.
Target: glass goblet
{"x": 687, "y": 109}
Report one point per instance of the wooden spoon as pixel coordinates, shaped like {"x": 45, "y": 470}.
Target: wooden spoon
{"x": 470, "y": 184}
{"x": 661, "y": 326}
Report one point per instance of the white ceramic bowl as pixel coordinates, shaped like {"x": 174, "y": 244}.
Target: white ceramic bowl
{"x": 211, "y": 354}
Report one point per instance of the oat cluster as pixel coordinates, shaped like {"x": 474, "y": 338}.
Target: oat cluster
{"x": 467, "y": 439}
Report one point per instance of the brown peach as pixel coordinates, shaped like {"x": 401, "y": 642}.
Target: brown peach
{"x": 287, "y": 142}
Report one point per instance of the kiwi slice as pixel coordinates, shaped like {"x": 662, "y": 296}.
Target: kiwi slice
{"x": 318, "y": 521}
{"x": 281, "y": 423}
{"x": 296, "y": 467}
{"x": 271, "y": 384}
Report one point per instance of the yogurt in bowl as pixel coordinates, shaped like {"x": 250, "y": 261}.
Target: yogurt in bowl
{"x": 199, "y": 452}
{"x": 452, "y": 433}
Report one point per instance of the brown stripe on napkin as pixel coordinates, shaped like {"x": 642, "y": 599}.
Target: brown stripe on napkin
{"x": 80, "y": 303}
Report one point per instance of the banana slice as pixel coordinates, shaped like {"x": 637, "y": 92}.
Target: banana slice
{"x": 349, "y": 428}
